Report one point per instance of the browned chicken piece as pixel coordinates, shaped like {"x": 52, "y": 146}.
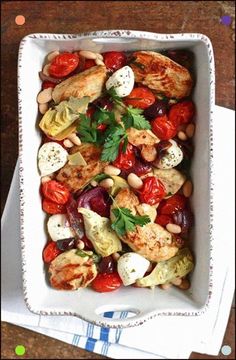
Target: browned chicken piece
{"x": 141, "y": 137}
{"x": 151, "y": 241}
{"x": 69, "y": 271}
{"x": 87, "y": 83}
{"x": 148, "y": 152}
{"x": 145, "y": 140}
{"x": 126, "y": 198}
{"x": 161, "y": 74}
{"x": 75, "y": 177}
{"x": 171, "y": 178}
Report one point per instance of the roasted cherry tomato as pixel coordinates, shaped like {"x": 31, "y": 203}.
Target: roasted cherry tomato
{"x": 182, "y": 113}
{"x": 106, "y": 282}
{"x": 152, "y": 191}
{"x": 163, "y": 220}
{"x": 163, "y": 128}
{"x": 102, "y": 127}
{"x": 55, "y": 191}
{"x": 63, "y": 64}
{"x": 125, "y": 160}
{"x": 114, "y": 60}
{"x": 50, "y": 252}
{"x": 50, "y": 207}
{"x": 89, "y": 63}
{"x": 48, "y": 84}
{"x": 173, "y": 204}
{"x": 140, "y": 97}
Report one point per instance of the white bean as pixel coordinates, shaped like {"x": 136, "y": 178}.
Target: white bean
{"x": 67, "y": 143}
{"x": 80, "y": 245}
{"x": 182, "y": 135}
{"x": 45, "y": 70}
{"x": 99, "y": 56}
{"x": 75, "y": 139}
{"x": 88, "y": 54}
{"x": 99, "y": 62}
{"x": 52, "y": 55}
{"x": 116, "y": 256}
{"x": 134, "y": 181}
{"x": 187, "y": 188}
{"x": 106, "y": 183}
{"x": 190, "y": 129}
{"x": 45, "y": 96}
{"x": 173, "y": 228}
{"x": 165, "y": 286}
{"x": 43, "y": 108}
{"x": 111, "y": 170}
{"x": 94, "y": 183}
{"x": 45, "y": 179}
{"x": 177, "y": 281}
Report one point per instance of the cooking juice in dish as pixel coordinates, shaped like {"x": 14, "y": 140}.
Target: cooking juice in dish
{"x": 114, "y": 162}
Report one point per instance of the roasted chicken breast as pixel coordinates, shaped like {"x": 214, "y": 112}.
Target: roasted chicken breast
{"x": 87, "y": 83}
{"x": 145, "y": 140}
{"x": 75, "y": 177}
{"x": 151, "y": 241}
{"x": 161, "y": 74}
{"x": 69, "y": 271}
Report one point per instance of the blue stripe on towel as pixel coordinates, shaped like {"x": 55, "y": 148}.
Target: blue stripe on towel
{"x": 76, "y": 340}
{"x": 104, "y": 334}
{"x": 90, "y": 344}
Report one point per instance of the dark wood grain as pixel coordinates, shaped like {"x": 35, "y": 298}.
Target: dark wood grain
{"x": 80, "y": 16}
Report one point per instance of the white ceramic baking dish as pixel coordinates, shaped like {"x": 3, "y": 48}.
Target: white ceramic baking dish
{"x": 142, "y": 303}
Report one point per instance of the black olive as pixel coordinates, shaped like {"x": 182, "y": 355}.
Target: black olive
{"x": 66, "y": 244}
{"x": 158, "y": 108}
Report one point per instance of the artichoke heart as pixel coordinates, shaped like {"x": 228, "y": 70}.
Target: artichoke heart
{"x": 58, "y": 123}
{"x": 98, "y": 230}
{"x": 119, "y": 183}
{"x": 165, "y": 271}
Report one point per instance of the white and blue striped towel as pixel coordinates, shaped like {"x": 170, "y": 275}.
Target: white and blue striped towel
{"x": 151, "y": 340}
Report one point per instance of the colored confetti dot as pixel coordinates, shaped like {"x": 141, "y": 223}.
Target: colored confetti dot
{"x": 226, "y": 350}
{"x": 20, "y": 20}
{"x": 20, "y": 350}
{"x": 226, "y": 20}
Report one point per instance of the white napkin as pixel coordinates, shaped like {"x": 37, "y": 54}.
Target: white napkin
{"x": 163, "y": 337}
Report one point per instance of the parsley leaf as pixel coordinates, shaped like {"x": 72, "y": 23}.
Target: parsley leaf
{"x": 112, "y": 142}
{"x": 100, "y": 177}
{"x": 113, "y": 94}
{"x": 103, "y": 116}
{"x": 134, "y": 118}
{"x": 126, "y": 221}
{"x": 87, "y": 130}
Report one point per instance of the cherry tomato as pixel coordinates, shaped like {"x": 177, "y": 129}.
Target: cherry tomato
{"x": 182, "y": 113}
{"x": 163, "y": 128}
{"x": 114, "y": 60}
{"x": 50, "y": 207}
{"x": 125, "y": 160}
{"x": 173, "y": 204}
{"x": 48, "y": 84}
{"x": 50, "y": 252}
{"x": 63, "y": 64}
{"x": 55, "y": 191}
{"x": 106, "y": 282}
{"x": 140, "y": 97}
{"x": 152, "y": 191}
{"x": 163, "y": 220}
{"x": 102, "y": 127}
{"x": 89, "y": 63}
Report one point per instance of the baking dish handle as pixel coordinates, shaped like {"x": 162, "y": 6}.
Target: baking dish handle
{"x": 118, "y": 316}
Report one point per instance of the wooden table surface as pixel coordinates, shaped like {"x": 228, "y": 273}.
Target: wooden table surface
{"x": 79, "y": 16}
